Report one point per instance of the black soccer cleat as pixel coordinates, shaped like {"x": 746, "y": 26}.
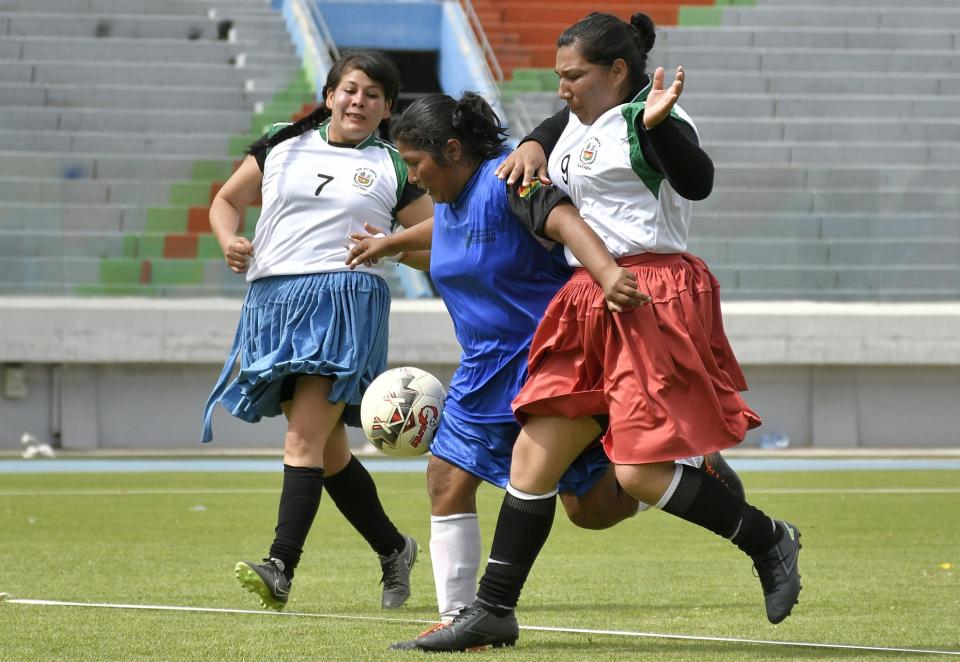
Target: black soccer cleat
{"x": 779, "y": 573}
{"x": 396, "y": 574}
{"x": 475, "y": 628}
{"x": 266, "y": 580}
{"x": 716, "y": 466}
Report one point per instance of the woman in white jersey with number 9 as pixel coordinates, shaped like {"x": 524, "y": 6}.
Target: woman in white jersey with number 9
{"x": 660, "y": 381}
{"x": 313, "y": 333}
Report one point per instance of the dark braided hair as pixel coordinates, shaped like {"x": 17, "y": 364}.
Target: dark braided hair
{"x": 604, "y": 38}
{"x": 433, "y": 119}
{"x": 374, "y": 64}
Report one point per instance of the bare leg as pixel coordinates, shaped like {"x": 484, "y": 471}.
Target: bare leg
{"x": 606, "y": 504}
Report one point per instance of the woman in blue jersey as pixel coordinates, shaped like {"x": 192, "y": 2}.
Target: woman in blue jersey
{"x": 659, "y": 381}
{"x": 313, "y": 334}
{"x": 496, "y": 265}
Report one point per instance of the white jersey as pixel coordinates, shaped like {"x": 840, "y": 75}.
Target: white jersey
{"x": 631, "y": 206}
{"x": 315, "y": 194}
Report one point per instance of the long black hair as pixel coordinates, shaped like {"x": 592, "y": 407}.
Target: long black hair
{"x": 376, "y": 65}
{"x": 603, "y": 38}
{"x": 433, "y": 119}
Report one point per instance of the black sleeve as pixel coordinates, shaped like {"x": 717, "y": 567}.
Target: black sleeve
{"x": 549, "y": 131}
{"x": 672, "y": 148}
{"x": 410, "y": 193}
{"x": 258, "y": 150}
{"x": 533, "y": 204}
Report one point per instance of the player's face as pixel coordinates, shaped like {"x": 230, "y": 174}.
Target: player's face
{"x": 588, "y": 89}
{"x": 439, "y": 181}
{"x": 357, "y": 107}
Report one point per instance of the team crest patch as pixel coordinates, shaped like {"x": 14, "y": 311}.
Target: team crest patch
{"x": 531, "y": 188}
{"x": 589, "y": 152}
{"x": 364, "y": 178}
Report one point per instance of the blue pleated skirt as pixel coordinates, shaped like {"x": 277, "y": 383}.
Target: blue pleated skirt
{"x": 333, "y": 325}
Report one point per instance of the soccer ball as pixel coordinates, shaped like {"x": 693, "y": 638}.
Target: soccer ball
{"x": 401, "y": 410}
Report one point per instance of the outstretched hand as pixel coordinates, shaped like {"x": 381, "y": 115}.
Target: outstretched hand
{"x": 368, "y": 247}
{"x": 527, "y": 162}
{"x": 620, "y": 290}
{"x": 660, "y": 101}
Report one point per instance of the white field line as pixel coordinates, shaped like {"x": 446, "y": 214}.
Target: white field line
{"x": 539, "y": 628}
{"x": 215, "y": 491}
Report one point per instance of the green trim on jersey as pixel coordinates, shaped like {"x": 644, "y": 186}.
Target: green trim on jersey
{"x": 366, "y": 142}
{"x": 273, "y": 130}
{"x": 400, "y": 167}
{"x": 651, "y": 178}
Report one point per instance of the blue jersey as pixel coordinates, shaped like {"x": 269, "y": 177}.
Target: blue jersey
{"x": 496, "y": 279}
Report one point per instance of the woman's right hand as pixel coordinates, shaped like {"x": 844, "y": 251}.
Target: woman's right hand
{"x": 368, "y": 247}
{"x": 527, "y": 162}
{"x": 237, "y": 253}
{"x": 620, "y": 290}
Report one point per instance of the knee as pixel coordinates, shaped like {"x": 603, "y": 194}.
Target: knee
{"x": 596, "y": 519}
{"x": 298, "y": 445}
{"x": 451, "y": 490}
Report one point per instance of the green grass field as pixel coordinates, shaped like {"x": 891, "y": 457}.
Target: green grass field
{"x": 879, "y": 569}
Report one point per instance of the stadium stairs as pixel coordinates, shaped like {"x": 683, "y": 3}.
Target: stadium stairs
{"x": 834, "y": 128}
{"x": 119, "y": 121}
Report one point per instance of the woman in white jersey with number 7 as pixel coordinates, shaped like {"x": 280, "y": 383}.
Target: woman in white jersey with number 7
{"x": 313, "y": 333}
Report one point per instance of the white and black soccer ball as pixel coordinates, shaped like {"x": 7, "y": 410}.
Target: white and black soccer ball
{"x": 400, "y": 411}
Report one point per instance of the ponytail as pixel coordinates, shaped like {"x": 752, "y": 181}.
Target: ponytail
{"x": 477, "y": 126}
{"x": 433, "y": 119}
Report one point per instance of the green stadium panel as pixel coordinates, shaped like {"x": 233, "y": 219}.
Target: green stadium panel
{"x": 177, "y": 272}
{"x": 120, "y": 271}
{"x": 115, "y": 290}
{"x": 216, "y": 171}
{"x": 208, "y": 248}
{"x": 167, "y": 220}
{"x": 238, "y": 144}
{"x": 700, "y": 16}
{"x": 130, "y": 245}
{"x": 190, "y": 194}
{"x": 150, "y": 245}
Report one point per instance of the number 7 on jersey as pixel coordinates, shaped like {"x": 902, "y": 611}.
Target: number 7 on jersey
{"x": 326, "y": 180}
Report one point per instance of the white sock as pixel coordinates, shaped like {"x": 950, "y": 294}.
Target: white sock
{"x": 455, "y": 554}
{"x": 696, "y": 461}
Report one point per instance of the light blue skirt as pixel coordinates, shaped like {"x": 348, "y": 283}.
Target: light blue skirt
{"x": 329, "y": 324}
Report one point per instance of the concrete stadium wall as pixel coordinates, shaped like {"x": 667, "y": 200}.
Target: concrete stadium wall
{"x": 134, "y": 373}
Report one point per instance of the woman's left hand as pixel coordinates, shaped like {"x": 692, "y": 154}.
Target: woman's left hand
{"x": 620, "y": 290}
{"x": 660, "y": 101}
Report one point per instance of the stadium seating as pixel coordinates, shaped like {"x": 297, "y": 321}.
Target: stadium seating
{"x": 835, "y": 133}
{"x": 119, "y": 119}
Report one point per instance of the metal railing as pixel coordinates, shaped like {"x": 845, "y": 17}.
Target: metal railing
{"x": 490, "y": 57}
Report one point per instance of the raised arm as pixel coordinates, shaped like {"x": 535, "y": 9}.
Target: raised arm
{"x": 672, "y": 146}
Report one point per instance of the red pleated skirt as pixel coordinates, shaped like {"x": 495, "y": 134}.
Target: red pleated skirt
{"x": 664, "y": 373}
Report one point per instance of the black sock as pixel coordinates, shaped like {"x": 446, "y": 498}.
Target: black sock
{"x": 522, "y": 529}
{"x": 705, "y": 501}
{"x": 355, "y": 494}
{"x": 299, "y": 500}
